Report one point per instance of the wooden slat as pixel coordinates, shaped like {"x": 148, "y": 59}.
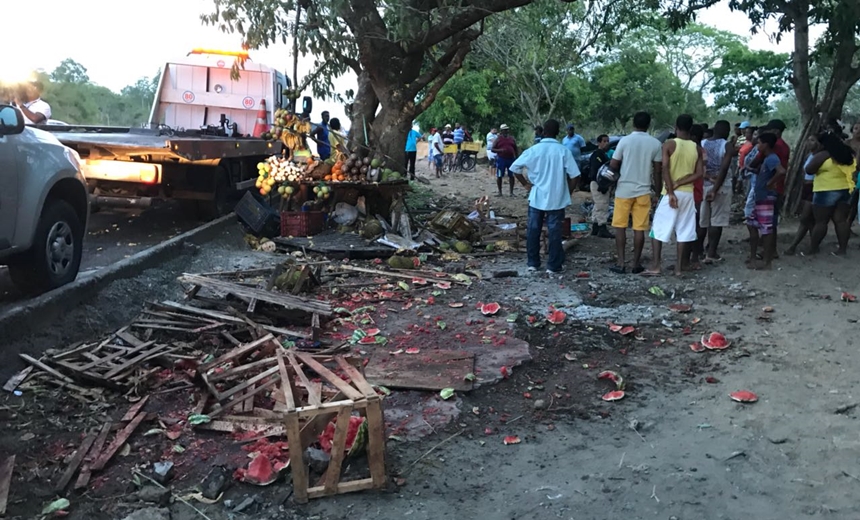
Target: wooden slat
{"x": 46, "y": 368}
{"x": 343, "y": 487}
{"x": 249, "y": 383}
{"x": 357, "y": 379}
{"x": 120, "y": 439}
{"x": 95, "y": 451}
{"x": 230, "y": 319}
{"x": 135, "y": 360}
{"x": 237, "y": 352}
{"x": 220, "y": 409}
{"x": 77, "y": 458}
{"x": 338, "y": 449}
{"x": 111, "y": 357}
{"x": 329, "y": 376}
{"x": 17, "y": 379}
{"x": 285, "y": 382}
{"x": 297, "y": 462}
{"x": 134, "y": 410}
{"x": 241, "y": 369}
{"x": 376, "y": 441}
{"x": 313, "y": 397}
{"x": 286, "y": 301}
{"x": 6, "y": 469}
{"x": 128, "y": 337}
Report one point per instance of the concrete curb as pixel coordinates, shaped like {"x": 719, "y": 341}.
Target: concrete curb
{"x": 82, "y": 289}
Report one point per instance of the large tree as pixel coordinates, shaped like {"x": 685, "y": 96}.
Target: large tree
{"x": 747, "y": 80}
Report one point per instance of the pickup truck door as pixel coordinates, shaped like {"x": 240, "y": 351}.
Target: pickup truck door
{"x": 8, "y": 190}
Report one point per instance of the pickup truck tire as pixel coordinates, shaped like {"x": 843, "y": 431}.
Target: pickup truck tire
{"x": 55, "y": 256}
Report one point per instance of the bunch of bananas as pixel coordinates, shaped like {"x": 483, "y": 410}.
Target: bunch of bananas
{"x": 294, "y": 132}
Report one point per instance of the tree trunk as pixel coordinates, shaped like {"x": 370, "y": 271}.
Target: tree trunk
{"x": 389, "y": 134}
{"x": 363, "y": 113}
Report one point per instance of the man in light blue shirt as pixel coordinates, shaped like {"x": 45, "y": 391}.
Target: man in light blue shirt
{"x": 412, "y": 139}
{"x": 574, "y": 142}
{"x": 551, "y": 173}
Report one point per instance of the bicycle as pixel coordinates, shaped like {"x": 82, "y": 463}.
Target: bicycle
{"x": 466, "y": 159}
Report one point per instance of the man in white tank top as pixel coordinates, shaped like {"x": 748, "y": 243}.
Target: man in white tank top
{"x": 717, "y": 204}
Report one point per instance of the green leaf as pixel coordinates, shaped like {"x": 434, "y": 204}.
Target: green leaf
{"x": 60, "y": 504}
{"x": 512, "y": 318}
{"x": 437, "y": 293}
{"x": 403, "y": 285}
{"x": 446, "y": 393}
{"x": 442, "y": 325}
{"x": 469, "y": 377}
{"x": 198, "y": 418}
{"x": 656, "y": 291}
{"x": 177, "y": 448}
{"x": 342, "y": 310}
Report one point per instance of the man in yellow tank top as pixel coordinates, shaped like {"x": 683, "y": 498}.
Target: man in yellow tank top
{"x": 676, "y": 212}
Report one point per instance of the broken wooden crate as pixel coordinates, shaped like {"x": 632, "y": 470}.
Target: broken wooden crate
{"x": 308, "y": 396}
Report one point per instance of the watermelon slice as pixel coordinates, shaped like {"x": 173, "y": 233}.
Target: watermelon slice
{"x": 413, "y": 350}
{"x": 556, "y": 317}
{"x": 614, "y": 328}
{"x": 440, "y": 275}
{"x": 442, "y": 285}
{"x": 715, "y": 341}
{"x": 615, "y": 395}
{"x": 260, "y": 471}
{"x": 456, "y": 305}
{"x": 490, "y": 309}
{"x": 511, "y": 439}
{"x": 848, "y": 297}
{"x": 744, "y": 396}
{"x": 372, "y": 332}
{"x": 697, "y": 347}
{"x": 612, "y": 376}
{"x": 681, "y": 308}
{"x": 367, "y": 340}
{"x": 326, "y": 438}
{"x": 627, "y": 330}
{"x": 419, "y": 281}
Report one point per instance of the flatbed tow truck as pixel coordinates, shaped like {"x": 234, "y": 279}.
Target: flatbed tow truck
{"x": 197, "y": 147}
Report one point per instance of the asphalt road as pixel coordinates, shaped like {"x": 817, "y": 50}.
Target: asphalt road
{"x": 114, "y": 235}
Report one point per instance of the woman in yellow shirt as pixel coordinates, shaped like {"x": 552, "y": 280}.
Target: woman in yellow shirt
{"x": 833, "y": 168}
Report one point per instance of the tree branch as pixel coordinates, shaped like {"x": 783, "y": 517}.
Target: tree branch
{"x": 442, "y": 78}
{"x": 476, "y": 11}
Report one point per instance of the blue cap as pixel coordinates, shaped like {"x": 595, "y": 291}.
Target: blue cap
{"x": 745, "y": 124}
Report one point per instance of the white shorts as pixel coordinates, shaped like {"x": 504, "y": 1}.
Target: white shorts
{"x": 716, "y": 213}
{"x": 682, "y": 220}
{"x": 492, "y": 158}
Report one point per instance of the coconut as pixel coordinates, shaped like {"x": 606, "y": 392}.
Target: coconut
{"x": 490, "y": 248}
{"x": 401, "y": 262}
{"x": 371, "y": 229}
{"x": 462, "y": 247}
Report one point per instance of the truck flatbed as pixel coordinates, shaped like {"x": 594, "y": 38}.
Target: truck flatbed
{"x": 128, "y": 143}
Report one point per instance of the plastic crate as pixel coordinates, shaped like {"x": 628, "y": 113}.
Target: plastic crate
{"x": 302, "y": 223}
{"x": 257, "y": 215}
{"x": 449, "y": 148}
{"x": 471, "y": 147}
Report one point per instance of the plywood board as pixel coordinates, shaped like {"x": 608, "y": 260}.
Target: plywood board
{"x": 427, "y": 370}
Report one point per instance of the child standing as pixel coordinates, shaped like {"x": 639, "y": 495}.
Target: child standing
{"x": 763, "y": 220}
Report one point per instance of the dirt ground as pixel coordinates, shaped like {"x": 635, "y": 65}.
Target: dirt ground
{"x": 675, "y": 447}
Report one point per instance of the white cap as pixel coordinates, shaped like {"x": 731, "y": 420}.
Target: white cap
{"x": 504, "y": 127}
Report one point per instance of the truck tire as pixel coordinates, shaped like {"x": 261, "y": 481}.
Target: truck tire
{"x": 55, "y": 256}
{"x": 221, "y": 203}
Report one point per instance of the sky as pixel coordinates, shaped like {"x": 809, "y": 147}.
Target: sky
{"x": 138, "y": 40}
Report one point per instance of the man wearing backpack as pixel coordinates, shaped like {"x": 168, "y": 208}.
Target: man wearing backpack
{"x": 637, "y": 158}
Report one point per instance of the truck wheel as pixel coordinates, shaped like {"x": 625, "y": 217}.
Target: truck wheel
{"x": 220, "y": 205}
{"x": 55, "y": 256}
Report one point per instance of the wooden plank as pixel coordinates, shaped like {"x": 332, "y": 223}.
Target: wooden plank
{"x": 329, "y": 407}
{"x": 249, "y": 383}
{"x": 77, "y": 458}
{"x": 17, "y": 379}
{"x": 408, "y": 274}
{"x": 338, "y": 449}
{"x": 219, "y": 409}
{"x": 120, "y": 439}
{"x": 6, "y": 470}
{"x": 329, "y": 376}
{"x": 286, "y": 301}
{"x": 135, "y": 360}
{"x": 357, "y": 379}
{"x": 285, "y": 382}
{"x": 433, "y": 370}
{"x": 241, "y": 369}
{"x": 343, "y": 487}
{"x": 297, "y": 462}
{"x": 46, "y": 368}
{"x": 313, "y": 397}
{"x": 72, "y": 352}
{"x": 134, "y": 410}
{"x": 236, "y": 352}
{"x": 111, "y": 357}
{"x": 376, "y": 442}
{"x": 230, "y": 319}
{"x": 95, "y": 450}
{"x": 128, "y": 337}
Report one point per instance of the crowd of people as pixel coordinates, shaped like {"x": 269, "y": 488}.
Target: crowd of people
{"x": 682, "y": 189}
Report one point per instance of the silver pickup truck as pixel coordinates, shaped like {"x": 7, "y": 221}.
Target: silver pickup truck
{"x": 43, "y": 206}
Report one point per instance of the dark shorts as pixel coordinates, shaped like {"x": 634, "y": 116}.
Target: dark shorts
{"x": 806, "y": 192}
{"x": 831, "y": 198}
{"x": 503, "y": 167}
{"x": 438, "y": 160}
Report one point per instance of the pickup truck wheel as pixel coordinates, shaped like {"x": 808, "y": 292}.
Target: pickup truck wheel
{"x": 220, "y": 204}
{"x": 55, "y": 257}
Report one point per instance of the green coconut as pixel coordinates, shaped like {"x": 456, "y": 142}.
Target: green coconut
{"x": 462, "y": 247}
